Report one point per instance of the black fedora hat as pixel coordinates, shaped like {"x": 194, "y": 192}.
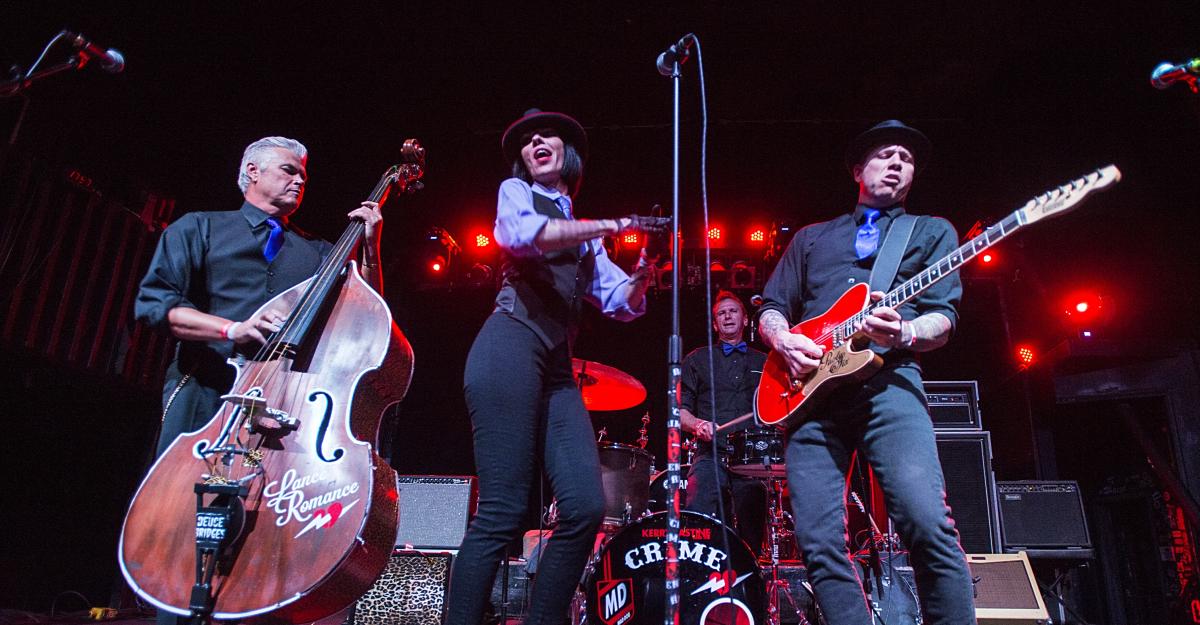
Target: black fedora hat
{"x": 890, "y": 132}
{"x": 570, "y": 130}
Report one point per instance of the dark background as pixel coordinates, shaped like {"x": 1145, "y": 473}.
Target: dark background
{"x": 1016, "y": 97}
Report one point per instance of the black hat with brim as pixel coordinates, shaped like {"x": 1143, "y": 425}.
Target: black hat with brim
{"x": 890, "y": 132}
{"x": 570, "y": 130}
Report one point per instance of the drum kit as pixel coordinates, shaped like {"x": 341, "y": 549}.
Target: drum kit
{"x": 722, "y": 579}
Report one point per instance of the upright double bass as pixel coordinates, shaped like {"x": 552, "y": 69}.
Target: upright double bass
{"x": 279, "y": 510}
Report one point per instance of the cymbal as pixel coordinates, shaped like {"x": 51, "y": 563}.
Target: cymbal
{"x": 606, "y": 388}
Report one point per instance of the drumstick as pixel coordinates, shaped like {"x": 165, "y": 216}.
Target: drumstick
{"x": 735, "y": 421}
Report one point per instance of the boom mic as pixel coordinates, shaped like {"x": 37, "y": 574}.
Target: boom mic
{"x": 111, "y": 60}
{"x": 1168, "y": 74}
{"x": 677, "y": 53}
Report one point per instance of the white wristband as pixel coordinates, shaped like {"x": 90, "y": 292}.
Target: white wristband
{"x": 228, "y": 330}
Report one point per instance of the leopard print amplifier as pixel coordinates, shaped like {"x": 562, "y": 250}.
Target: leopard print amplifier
{"x": 411, "y": 591}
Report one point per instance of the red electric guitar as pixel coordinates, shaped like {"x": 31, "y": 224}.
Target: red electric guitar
{"x": 782, "y": 401}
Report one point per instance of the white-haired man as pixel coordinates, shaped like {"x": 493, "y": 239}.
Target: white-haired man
{"x": 213, "y": 270}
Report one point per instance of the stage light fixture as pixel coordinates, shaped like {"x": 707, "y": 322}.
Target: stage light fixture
{"x": 482, "y": 240}
{"x": 758, "y": 236}
{"x": 630, "y": 237}
{"x": 437, "y": 264}
{"x": 987, "y": 258}
{"x": 714, "y": 233}
{"x": 1026, "y": 356}
{"x": 1084, "y": 308}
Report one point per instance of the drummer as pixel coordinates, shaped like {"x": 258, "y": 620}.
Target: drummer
{"x": 735, "y": 371}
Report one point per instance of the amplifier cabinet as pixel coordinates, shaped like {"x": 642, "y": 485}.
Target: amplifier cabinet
{"x": 434, "y": 510}
{"x": 954, "y": 405}
{"x": 966, "y": 459}
{"x": 1043, "y": 515}
{"x": 1006, "y": 593}
{"x": 411, "y": 591}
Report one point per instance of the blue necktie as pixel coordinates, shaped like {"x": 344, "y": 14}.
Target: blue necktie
{"x": 729, "y": 349}
{"x": 274, "y": 240}
{"x": 868, "y": 235}
{"x": 564, "y": 205}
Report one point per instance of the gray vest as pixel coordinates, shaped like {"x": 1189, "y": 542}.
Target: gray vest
{"x": 546, "y": 292}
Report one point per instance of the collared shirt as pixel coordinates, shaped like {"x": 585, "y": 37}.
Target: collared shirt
{"x": 213, "y": 262}
{"x": 820, "y": 264}
{"x": 736, "y": 379}
{"x": 517, "y": 228}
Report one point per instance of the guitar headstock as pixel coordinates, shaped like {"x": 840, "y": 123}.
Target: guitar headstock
{"x": 1061, "y": 200}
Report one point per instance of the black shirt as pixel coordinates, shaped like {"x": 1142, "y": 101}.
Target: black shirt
{"x": 736, "y": 379}
{"x": 820, "y": 264}
{"x": 213, "y": 262}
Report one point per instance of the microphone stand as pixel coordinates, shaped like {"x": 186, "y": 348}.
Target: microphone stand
{"x": 674, "y": 370}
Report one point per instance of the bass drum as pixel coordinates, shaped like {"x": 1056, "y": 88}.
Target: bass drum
{"x": 624, "y": 583}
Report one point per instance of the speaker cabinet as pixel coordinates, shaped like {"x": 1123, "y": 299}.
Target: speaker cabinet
{"x": 434, "y": 510}
{"x": 1006, "y": 593}
{"x": 966, "y": 459}
{"x": 1043, "y": 517}
{"x": 411, "y": 591}
{"x": 954, "y": 405}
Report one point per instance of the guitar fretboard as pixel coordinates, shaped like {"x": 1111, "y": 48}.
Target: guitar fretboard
{"x": 931, "y": 275}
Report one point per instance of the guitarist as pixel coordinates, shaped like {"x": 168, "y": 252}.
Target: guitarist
{"x": 884, "y": 418}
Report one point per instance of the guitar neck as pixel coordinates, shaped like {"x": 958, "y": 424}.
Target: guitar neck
{"x": 931, "y": 275}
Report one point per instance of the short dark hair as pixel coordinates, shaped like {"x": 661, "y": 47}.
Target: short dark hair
{"x": 724, "y": 295}
{"x": 572, "y": 169}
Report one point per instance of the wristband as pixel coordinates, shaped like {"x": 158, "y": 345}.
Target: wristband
{"x": 225, "y": 330}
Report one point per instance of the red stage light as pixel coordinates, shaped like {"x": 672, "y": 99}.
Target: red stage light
{"x": 987, "y": 258}
{"x": 437, "y": 264}
{"x": 631, "y": 237}
{"x": 1084, "y": 307}
{"x": 714, "y": 233}
{"x": 758, "y": 235}
{"x": 1025, "y": 356}
{"x": 482, "y": 240}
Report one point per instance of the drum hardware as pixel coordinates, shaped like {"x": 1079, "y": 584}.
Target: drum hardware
{"x": 643, "y": 438}
{"x": 601, "y": 434}
{"x": 776, "y": 530}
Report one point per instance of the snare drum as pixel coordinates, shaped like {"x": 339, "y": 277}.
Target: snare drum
{"x": 625, "y": 471}
{"x": 758, "y": 453}
{"x": 624, "y": 583}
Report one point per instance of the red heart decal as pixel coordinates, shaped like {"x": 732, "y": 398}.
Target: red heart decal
{"x": 725, "y": 580}
{"x": 334, "y": 511}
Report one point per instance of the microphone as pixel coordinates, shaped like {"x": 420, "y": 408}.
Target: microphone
{"x": 111, "y": 60}
{"x": 1168, "y": 74}
{"x": 677, "y": 53}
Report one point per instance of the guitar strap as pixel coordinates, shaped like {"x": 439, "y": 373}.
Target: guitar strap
{"x": 887, "y": 263}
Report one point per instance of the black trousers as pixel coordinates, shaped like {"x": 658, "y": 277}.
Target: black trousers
{"x": 526, "y": 412}
{"x": 745, "y": 497}
{"x": 887, "y": 421}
